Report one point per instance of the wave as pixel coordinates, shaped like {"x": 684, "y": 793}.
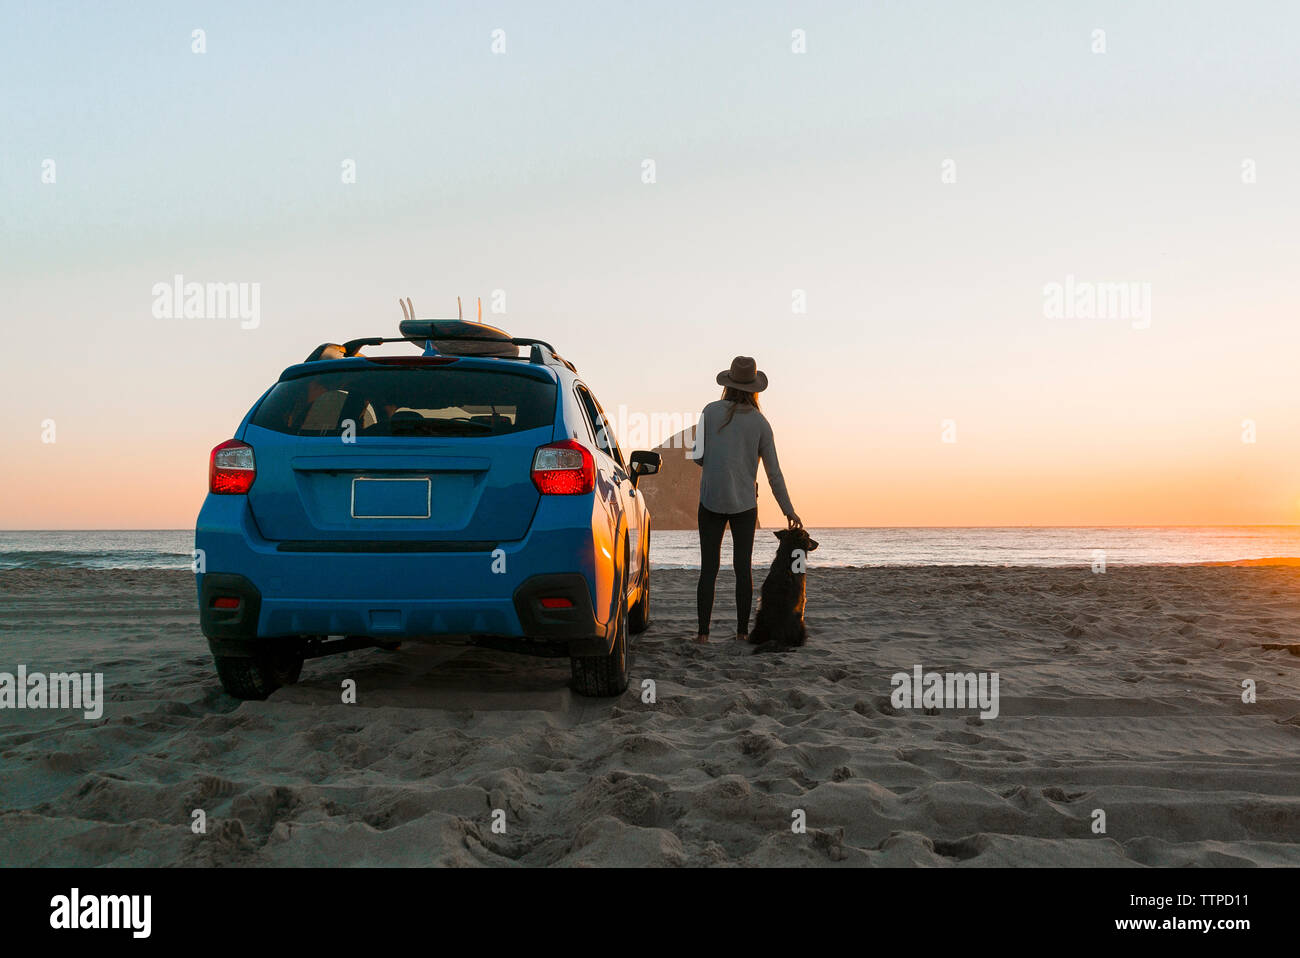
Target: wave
{"x": 112, "y": 559}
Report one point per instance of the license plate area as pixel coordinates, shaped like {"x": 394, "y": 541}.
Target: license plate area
{"x": 404, "y": 498}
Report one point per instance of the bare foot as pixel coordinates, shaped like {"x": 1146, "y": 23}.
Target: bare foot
{"x": 742, "y": 636}
{"x": 701, "y": 639}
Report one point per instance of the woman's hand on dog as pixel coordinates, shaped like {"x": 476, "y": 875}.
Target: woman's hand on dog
{"x": 794, "y": 521}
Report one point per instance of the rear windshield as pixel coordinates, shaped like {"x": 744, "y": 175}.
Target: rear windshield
{"x": 408, "y": 401}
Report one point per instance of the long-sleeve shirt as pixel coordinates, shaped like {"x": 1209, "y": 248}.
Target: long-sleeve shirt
{"x": 729, "y": 457}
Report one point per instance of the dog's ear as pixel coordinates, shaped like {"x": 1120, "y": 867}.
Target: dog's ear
{"x": 777, "y": 532}
{"x": 812, "y": 544}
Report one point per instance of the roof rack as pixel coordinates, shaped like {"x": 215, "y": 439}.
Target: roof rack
{"x": 540, "y": 352}
{"x": 429, "y": 333}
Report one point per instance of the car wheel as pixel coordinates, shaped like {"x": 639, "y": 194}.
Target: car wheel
{"x": 602, "y": 676}
{"x": 256, "y": 677}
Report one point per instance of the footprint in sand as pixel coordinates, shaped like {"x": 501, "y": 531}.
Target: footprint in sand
{"x": 959, "y": 738}
{"x": 1054, "y": 793}
{"x": 963, "y": 849}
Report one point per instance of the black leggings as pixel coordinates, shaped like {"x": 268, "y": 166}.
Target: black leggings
{"x": 712, "y": 525}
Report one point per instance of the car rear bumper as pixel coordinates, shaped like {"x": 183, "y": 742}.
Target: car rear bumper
{"x": 394, "y": 595}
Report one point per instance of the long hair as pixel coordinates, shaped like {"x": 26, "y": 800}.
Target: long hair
{"x": 737, "y": 398}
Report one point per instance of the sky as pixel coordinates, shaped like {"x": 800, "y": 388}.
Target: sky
{"x": 879, "y": 220}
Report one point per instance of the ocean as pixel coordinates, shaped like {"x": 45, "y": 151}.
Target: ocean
{"x": 1063, "y": 546}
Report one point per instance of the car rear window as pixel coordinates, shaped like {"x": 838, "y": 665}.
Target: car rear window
{"x": 408, "y": 401}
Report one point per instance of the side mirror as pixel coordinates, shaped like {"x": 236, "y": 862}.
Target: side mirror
{"x": 644, "y": 463}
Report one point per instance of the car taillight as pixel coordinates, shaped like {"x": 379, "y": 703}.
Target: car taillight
{"x": 231, "y": 468}
{"x": 564, "y": 468}
{"x": 556, "y": 602}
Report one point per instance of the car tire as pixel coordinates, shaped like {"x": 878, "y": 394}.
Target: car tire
{"x": 604, "y": 676}
{"x": 256, "y": 677}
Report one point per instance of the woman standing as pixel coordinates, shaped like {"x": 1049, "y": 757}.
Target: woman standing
{"x": 730, "y": 438}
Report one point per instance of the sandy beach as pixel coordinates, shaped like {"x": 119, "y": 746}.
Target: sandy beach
{"x": 1119, "y": 693}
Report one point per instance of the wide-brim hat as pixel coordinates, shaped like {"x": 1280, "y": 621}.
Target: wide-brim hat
{"x": 744, "y": 375}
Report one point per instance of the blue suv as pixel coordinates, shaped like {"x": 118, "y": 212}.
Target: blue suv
{"x": 471, "y": 492}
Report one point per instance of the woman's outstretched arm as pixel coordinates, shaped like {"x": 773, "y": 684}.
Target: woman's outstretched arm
{"x": 767, "y": 453}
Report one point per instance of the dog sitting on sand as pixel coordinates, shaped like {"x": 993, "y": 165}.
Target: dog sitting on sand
{"x": 779, "y": 623}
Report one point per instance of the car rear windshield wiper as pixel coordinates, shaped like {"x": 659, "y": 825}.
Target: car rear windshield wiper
{"x": 439, "y": 427}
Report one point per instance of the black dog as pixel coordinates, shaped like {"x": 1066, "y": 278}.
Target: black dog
{"x": 779, "y": 623}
